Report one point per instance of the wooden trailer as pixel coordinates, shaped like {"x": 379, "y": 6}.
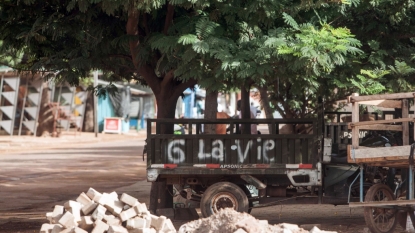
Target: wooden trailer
{"x": 381, "y": 209}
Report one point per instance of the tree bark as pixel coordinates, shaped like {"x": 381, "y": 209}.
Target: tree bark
{"x": 265, "y": 104}
{"x": 45, "y": 120}
{"x": 88, "y": 124}
{"x": 211, "y": 108}
{"x": 245, "y": 110}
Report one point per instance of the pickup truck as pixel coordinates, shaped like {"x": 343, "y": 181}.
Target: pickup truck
{"x": 244, "y": 171}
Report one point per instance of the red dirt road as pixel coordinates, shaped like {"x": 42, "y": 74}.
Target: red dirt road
{"x": 33, "y": 179}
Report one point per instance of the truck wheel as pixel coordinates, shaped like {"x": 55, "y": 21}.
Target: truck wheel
{"x": 380, "y": 220}
{"x": 223, "y": 195}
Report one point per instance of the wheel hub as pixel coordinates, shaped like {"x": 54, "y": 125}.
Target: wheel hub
{"x": 224, "y": 200}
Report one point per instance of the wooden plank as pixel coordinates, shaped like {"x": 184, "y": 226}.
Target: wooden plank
{"x": 355, "y": 120}
{"x": 381, "y": 156}
{"x": 353, "y": 124}
{"x": 380, "y": 127}
{"x": 353, "y": 99}
{"x": 383, "y": 103}
{"x": 382, "y": 203}
{"x": 379, "y": 152}
{"x": 405, "y": 125}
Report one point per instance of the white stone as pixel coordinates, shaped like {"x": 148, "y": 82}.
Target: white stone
{"x": 93, "y": 194}
{"x": 114, "y": 196}
{"x": 289, "y": 226}
{"x": 114, "y": 222}
{"x": 111, "y": 220}
{"x": 75, "y": 209}
{"x": 136, "y": 223}
{"x": 68, "y": 230}
{"x": 117, "y": 229}
{"x": 100, "y": 227}
{"x": 168, "y": 226}
{"x": 114, "y": 206}
{"x": 142, "y": 230}
{"x": 70, "y": 204}
{"x": 127, "y": 214}
{"x": 240, "y": 230}
{"x": 83, "y": 199}
{"x": 147, "y": 217}
{"x": 79, "y": 230}
{"x": 317, "y": 230}
{"x": 49, "y": 217}
{"x": 157, "y": 222}
{"x": 57, "y": 213}
{"x": 86, "y": 223}
{"x": 105, "y": 197}
{"x": 129, "y": 200}
{"x": 89, "y": 208}
{"x": 68, "y": 220}
{"x": 46, "y": 228}
{"x": 141, "y": 208}
{"x": 99, "y": 213}
{"x": 57, "y": 228}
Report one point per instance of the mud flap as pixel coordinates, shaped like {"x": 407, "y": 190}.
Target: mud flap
{"x": 161, "y": 196}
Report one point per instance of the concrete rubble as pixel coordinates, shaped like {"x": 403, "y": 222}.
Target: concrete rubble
{"x": 229, "y": 220}
{"x": 97, "y": 212}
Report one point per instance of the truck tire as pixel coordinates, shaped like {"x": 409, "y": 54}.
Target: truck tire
{"x": 223, "y": 195}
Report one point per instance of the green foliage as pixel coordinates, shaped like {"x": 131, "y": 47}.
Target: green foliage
{"x": 297, "y": 49}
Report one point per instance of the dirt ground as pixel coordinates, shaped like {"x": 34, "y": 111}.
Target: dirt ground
{"x": 36, "y": 175}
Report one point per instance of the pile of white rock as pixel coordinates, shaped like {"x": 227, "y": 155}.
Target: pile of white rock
{"x": 229, "y": 220}
{"x": 97, "y": 212}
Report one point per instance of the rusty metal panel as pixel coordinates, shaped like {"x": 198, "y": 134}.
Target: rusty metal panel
{"x": 297, "y": 151}
{"x": 157, "y": 151}
{"x": 234, "y": 153}
{"x": 291, "y": 151}
{"x": 189, "y": 150}
{"x": 284, "y": 151}
{"x": 278, "y": 151}
{"x": 304, "y": 151}
{"x": 195, "y": 151}
{"x": 229, "y": 148}
{"x": 228, "y": 151}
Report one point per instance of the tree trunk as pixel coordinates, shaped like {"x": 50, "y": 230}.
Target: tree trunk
{"x": 88, "y": 124}
{"x": 166, "y": 109}
{"x": 245, "y": 110}
{"x": 46, "y": 120}
{"x": 211, "y": 108}
{"x": 265, "y": 104}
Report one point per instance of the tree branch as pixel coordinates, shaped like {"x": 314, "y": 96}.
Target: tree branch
{"x": 132, "y": 29}
{"x": 169, "y": 18}
{"x": 168, "y": 77}
{"x": 183, "y": 86}
{"x": 144, "y": 70}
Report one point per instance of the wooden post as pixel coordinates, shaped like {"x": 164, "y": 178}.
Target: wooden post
{"x": 405, "y": 125}
{"x": 355, "y": 118}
